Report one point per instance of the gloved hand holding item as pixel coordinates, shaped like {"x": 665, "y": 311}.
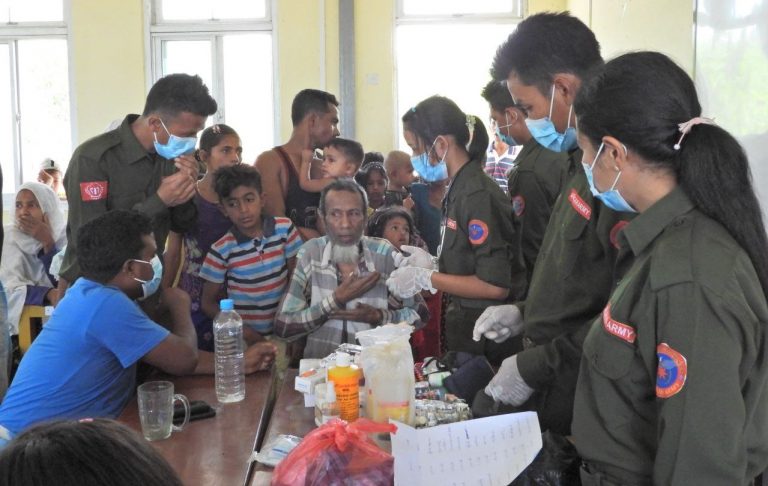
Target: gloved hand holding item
{"x": 498, "y": 323}
{"x": 408, "y": 281}
{"x": 417, "y": 258}
{"x": 508, "y": 386}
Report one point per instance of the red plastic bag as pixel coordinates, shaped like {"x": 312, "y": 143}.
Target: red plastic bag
{"x": 338, "y": 453}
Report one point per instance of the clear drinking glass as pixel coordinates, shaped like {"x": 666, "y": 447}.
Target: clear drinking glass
{"x": 156, "y": 409}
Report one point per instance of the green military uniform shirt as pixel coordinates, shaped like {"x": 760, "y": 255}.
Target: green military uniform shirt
{"x": 478, "y": 239}
{"x": 534, "y": 185}
{"x": 672, "y": 387}
{"x": 572, "y": 280}
{"x": 114, "y": 171}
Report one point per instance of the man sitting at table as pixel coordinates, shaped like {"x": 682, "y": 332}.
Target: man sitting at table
{"x": 338, "y": 287}
{"x": 83, "y": 363}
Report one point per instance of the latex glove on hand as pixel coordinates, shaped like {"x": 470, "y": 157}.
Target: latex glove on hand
{"x": 406, "y": 282}
{"x": 417, "y": 258}
{"x": 498, "y": 323}
{"x": 508, "y": 386}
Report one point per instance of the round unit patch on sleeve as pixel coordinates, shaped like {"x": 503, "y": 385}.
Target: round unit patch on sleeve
{"x": 518, "y": 205}
{"x": 478, "y": 231}
{"x": 671, "y": 372}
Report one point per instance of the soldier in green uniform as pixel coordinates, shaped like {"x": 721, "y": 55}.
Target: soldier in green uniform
{"x": 543, "y": 63}
{"x": 673, "y": 387}
{"x": 145, "y": 165}
{"x": 479, "y": 259}
{"x": 537, "y": 178}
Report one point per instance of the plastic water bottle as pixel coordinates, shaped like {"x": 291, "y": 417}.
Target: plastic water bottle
{"x": 230, "y": 361}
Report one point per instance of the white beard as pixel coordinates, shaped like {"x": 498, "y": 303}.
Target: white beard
{"x": 345, "y": 254}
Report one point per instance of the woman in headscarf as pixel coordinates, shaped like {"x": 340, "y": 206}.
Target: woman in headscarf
{"x": 37, "y": 234}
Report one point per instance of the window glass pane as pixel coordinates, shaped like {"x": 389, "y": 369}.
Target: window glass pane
{"x": 456, "y": 7}
{"x": 31, "y": 11}
{"x": 6, "y": 121}
{"x": 447, "y": 45}
{"x": 188, "y": 56}
{"x": 249, "y": 104}
{"x": 43, "y": 104}
{"x": 212, "y": 9}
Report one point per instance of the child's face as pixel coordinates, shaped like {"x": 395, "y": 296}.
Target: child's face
{"x": 397, "y": 232}
{"x": 228, "y": 152}
{"x": 336, "y": 164}
{"x": 403, "y": 175}
{"x": 27, "y": 205}
{"x": 375, "y": 189}
{"x": 243, "y": 208}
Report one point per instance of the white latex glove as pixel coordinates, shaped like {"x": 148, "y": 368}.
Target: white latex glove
{"x": 508, "y": 386}
{"x": 408, "y": 281}
{"x": 417, "y": 258}
{"x": 498, "y": 323}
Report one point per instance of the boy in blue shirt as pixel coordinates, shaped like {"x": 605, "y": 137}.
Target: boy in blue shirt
{"x": 255, "y": 257}
{"x": 83, "y": 363}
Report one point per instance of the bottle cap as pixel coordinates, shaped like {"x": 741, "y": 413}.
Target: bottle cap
{"x": 330, "y": 392}
{"x": 342, "y": 359}
{"x": 227, "y": 304}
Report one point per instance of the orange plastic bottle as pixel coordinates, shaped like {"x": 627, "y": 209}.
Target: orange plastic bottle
{"x": 345, "y": 377}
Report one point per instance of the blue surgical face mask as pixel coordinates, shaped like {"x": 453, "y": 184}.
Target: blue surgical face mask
{"x": 149, "y": 287}
{"x": 544, "y": 131}
{"x": 503, "y": 136}
{"x": 427, "y": 171}
{"x": 611, "y": 198}
{"x": 176, "y": 146}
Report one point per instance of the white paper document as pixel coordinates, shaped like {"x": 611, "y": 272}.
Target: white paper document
{"x": 489, "y": 451}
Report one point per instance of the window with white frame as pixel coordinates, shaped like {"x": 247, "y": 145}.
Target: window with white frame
{"x": 229, "y": 44}
{"x": 35, "y": 110}
{"x": 446, "y": 47}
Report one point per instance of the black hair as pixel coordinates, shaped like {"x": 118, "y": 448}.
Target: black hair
{"x": 83, "y": 453}
{"x": 352, "y": 150}
{"x": 438, "y": 115}
{"x": 176, "y": 93}
{"x": 344, "y": 184}
{"x": 106, "y": 242}
{"x": 212, "y": 135}
{"x": 373, "y": 157}
{"x": 497, "y": 95}
{"x": 310, "y": 101}
{"x": 381, "y": 216}
{"x": 227, "y": 179}
{"x": 546, "y": 44}
{"x": 640, "y": 98}
{"x": 364, "y": 174}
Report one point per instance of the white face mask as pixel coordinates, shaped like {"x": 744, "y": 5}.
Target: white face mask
{"x": 150, "y": 286}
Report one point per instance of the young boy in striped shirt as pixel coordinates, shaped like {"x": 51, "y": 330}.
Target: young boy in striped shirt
{"x": 255, "y": 257}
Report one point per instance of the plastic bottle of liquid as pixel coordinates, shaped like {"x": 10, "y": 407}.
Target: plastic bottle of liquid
{"x": 228, "y": 342}
{"x": 345, "y": 377}
{"x": 330, "y": 407}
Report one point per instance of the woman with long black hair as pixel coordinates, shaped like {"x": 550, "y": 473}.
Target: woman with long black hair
{"x": 672, "y": 385}
{"x": 480, "y": 263}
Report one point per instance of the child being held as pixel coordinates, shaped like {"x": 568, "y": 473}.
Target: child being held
{"x": 255, "y": 257}
{"x": 400, "y": 177}
{"x": 342, "y": 158}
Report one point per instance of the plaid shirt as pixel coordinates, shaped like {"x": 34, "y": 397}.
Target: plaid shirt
{"x": 309, "y": 300}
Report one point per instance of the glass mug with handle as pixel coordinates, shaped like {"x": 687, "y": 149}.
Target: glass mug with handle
{"x": 156, "y": 409}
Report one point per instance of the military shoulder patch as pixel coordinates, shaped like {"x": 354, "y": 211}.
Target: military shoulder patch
{"x": 671, "y": 372}
{"x": 478, "y": 231}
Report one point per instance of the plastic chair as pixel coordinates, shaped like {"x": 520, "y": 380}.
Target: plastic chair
{"x": 30, "y": 325}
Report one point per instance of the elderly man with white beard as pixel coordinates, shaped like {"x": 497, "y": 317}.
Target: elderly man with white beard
{"x": 339, "y": 285}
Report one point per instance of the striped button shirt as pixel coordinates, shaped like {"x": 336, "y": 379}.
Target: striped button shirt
{"x": 310, "y": 300}
{"x": 498, "y": 167}
{"x": 255, "y": 270}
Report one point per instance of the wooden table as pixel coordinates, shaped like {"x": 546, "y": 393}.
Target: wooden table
{"x": 215, "y": 451}
{"x": 289, "y": 416}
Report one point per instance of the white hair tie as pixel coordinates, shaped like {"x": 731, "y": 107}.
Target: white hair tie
{"x": 685, "y": 128}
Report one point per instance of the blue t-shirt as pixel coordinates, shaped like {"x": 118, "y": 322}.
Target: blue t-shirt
{"x": 429, "y": 217}
{"x": 83, "y": 362}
